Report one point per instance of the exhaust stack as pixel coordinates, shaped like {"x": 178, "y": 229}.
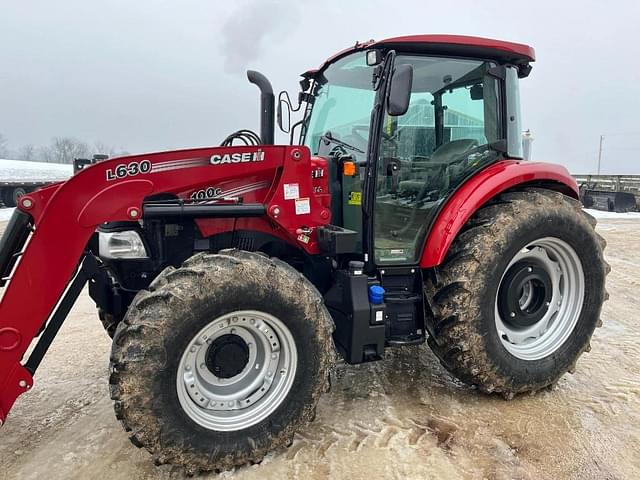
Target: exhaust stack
{"x": 267, "y": 106}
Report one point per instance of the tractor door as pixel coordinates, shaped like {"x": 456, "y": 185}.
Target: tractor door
{"x": 424, "y": 155}
{"x": 337, "y": 127}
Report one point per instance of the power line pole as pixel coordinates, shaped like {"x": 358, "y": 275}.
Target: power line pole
{"x": 600, "y": 153}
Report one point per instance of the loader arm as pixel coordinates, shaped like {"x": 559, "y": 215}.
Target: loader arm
{"x": 59, "y": 221}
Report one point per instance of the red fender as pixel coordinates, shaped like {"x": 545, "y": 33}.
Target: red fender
{"x": 479, "y": 190}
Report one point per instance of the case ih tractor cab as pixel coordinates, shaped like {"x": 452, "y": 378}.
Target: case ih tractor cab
{"x": 226, "y": 275}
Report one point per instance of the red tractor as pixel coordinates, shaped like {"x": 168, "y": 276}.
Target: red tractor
{"x": 402, "y": 212}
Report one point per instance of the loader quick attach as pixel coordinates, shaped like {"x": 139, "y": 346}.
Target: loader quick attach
{"x": 229, "y": 276}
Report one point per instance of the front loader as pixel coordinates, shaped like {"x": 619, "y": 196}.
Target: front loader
{"x": 401, "y": 213}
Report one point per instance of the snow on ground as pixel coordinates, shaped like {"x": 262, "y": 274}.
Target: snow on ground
{"x": 5, "y": 214}
{"x": 599, "y": 214}
{"x": 402, "y": 417}
{"x": 20, "y": 171}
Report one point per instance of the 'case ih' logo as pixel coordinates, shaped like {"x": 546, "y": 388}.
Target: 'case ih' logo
{"x": 237, "y": 157}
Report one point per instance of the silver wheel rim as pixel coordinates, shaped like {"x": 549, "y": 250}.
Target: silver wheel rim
{"x": 562, "y": 305}
{"x": 250, "y": 396}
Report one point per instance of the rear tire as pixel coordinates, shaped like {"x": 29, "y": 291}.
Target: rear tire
{"x": 162, "y": 334}
{"x": 519, "y": 294}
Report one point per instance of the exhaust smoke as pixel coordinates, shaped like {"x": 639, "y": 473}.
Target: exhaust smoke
{"x": 246, "y": 30}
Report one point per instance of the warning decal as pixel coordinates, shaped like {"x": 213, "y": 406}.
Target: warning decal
{"x": 355, "y": 198}
{"x": 303, "y": 206}
{"x": 291, "y": 191}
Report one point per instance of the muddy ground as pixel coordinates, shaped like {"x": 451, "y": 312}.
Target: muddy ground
{"x": 404, "y": 417}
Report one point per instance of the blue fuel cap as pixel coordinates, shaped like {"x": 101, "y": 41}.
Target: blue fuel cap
{"x": 376, "y": 294}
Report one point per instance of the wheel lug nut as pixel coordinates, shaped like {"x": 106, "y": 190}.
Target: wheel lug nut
{"x": 529, "y": 269}
{"x": 269, "y": 374}
{"x": 274, "y": 356}
{"x": 512, "y": 314}
{"x": 202, "y": 366}
{"x": 193, "y": 349}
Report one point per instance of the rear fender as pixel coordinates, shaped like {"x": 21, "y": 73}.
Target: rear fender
{"x": 481, "y": 188}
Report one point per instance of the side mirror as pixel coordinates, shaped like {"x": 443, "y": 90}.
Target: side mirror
{"x": 284, "y": 113}
{"x": 477, "y": 92}
{"x": 400, "y": 90}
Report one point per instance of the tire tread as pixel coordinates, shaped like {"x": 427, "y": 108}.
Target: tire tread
{"x": 455, "y": 336}
{"x": 132, "y": 345}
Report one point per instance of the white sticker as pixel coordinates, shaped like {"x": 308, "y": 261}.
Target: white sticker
{"x": 303, "y": 206}
{"x": 379, "y": 316}
{"x": 291, "y": 191}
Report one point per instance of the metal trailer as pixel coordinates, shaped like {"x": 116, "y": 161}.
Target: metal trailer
{"x": 613, "y": 193}
{"x": 17, "y": 178}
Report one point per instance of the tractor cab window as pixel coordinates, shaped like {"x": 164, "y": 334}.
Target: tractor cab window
{"x": 343, "y": 101}
{"x": 428, "y": 152}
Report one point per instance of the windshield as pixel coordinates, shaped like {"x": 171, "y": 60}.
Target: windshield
{"x": 343, "y": 103}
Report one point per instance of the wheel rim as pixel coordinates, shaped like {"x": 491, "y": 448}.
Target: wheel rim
{"x": 237, "y": 370}
{"x": 539, "y": 299}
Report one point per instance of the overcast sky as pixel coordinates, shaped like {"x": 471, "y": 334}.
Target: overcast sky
{"x": 153, "y": 75}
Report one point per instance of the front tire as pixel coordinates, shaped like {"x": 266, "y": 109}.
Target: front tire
{"x": 193, "y": 362}
{"x": 520, "y": 293}
{"x": 109, "y": 322}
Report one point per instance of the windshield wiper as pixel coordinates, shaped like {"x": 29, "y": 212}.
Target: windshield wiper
{"x": 328, "y": 138}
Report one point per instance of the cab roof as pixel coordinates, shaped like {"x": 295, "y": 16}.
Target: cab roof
{"x": 454, "y": 45}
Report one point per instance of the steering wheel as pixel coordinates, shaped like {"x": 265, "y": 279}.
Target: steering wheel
{"x": 355, "y": 132}
{"x": 358, "y": 128}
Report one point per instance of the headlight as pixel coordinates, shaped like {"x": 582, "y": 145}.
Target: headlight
{"x": 127, "y": 244}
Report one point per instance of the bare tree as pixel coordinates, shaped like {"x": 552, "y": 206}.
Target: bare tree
{"x": 65, "y": 150}
{"x": 60, "y": 150}
{"x": 101, "y": 147}
{"x": 28, "y": 152}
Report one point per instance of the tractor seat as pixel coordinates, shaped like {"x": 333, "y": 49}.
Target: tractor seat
{"x": 438, "y": 165}
{"x": 448, "y": 152}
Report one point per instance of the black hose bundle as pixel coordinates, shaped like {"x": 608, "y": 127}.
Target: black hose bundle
{"x": 247, "y": 137}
